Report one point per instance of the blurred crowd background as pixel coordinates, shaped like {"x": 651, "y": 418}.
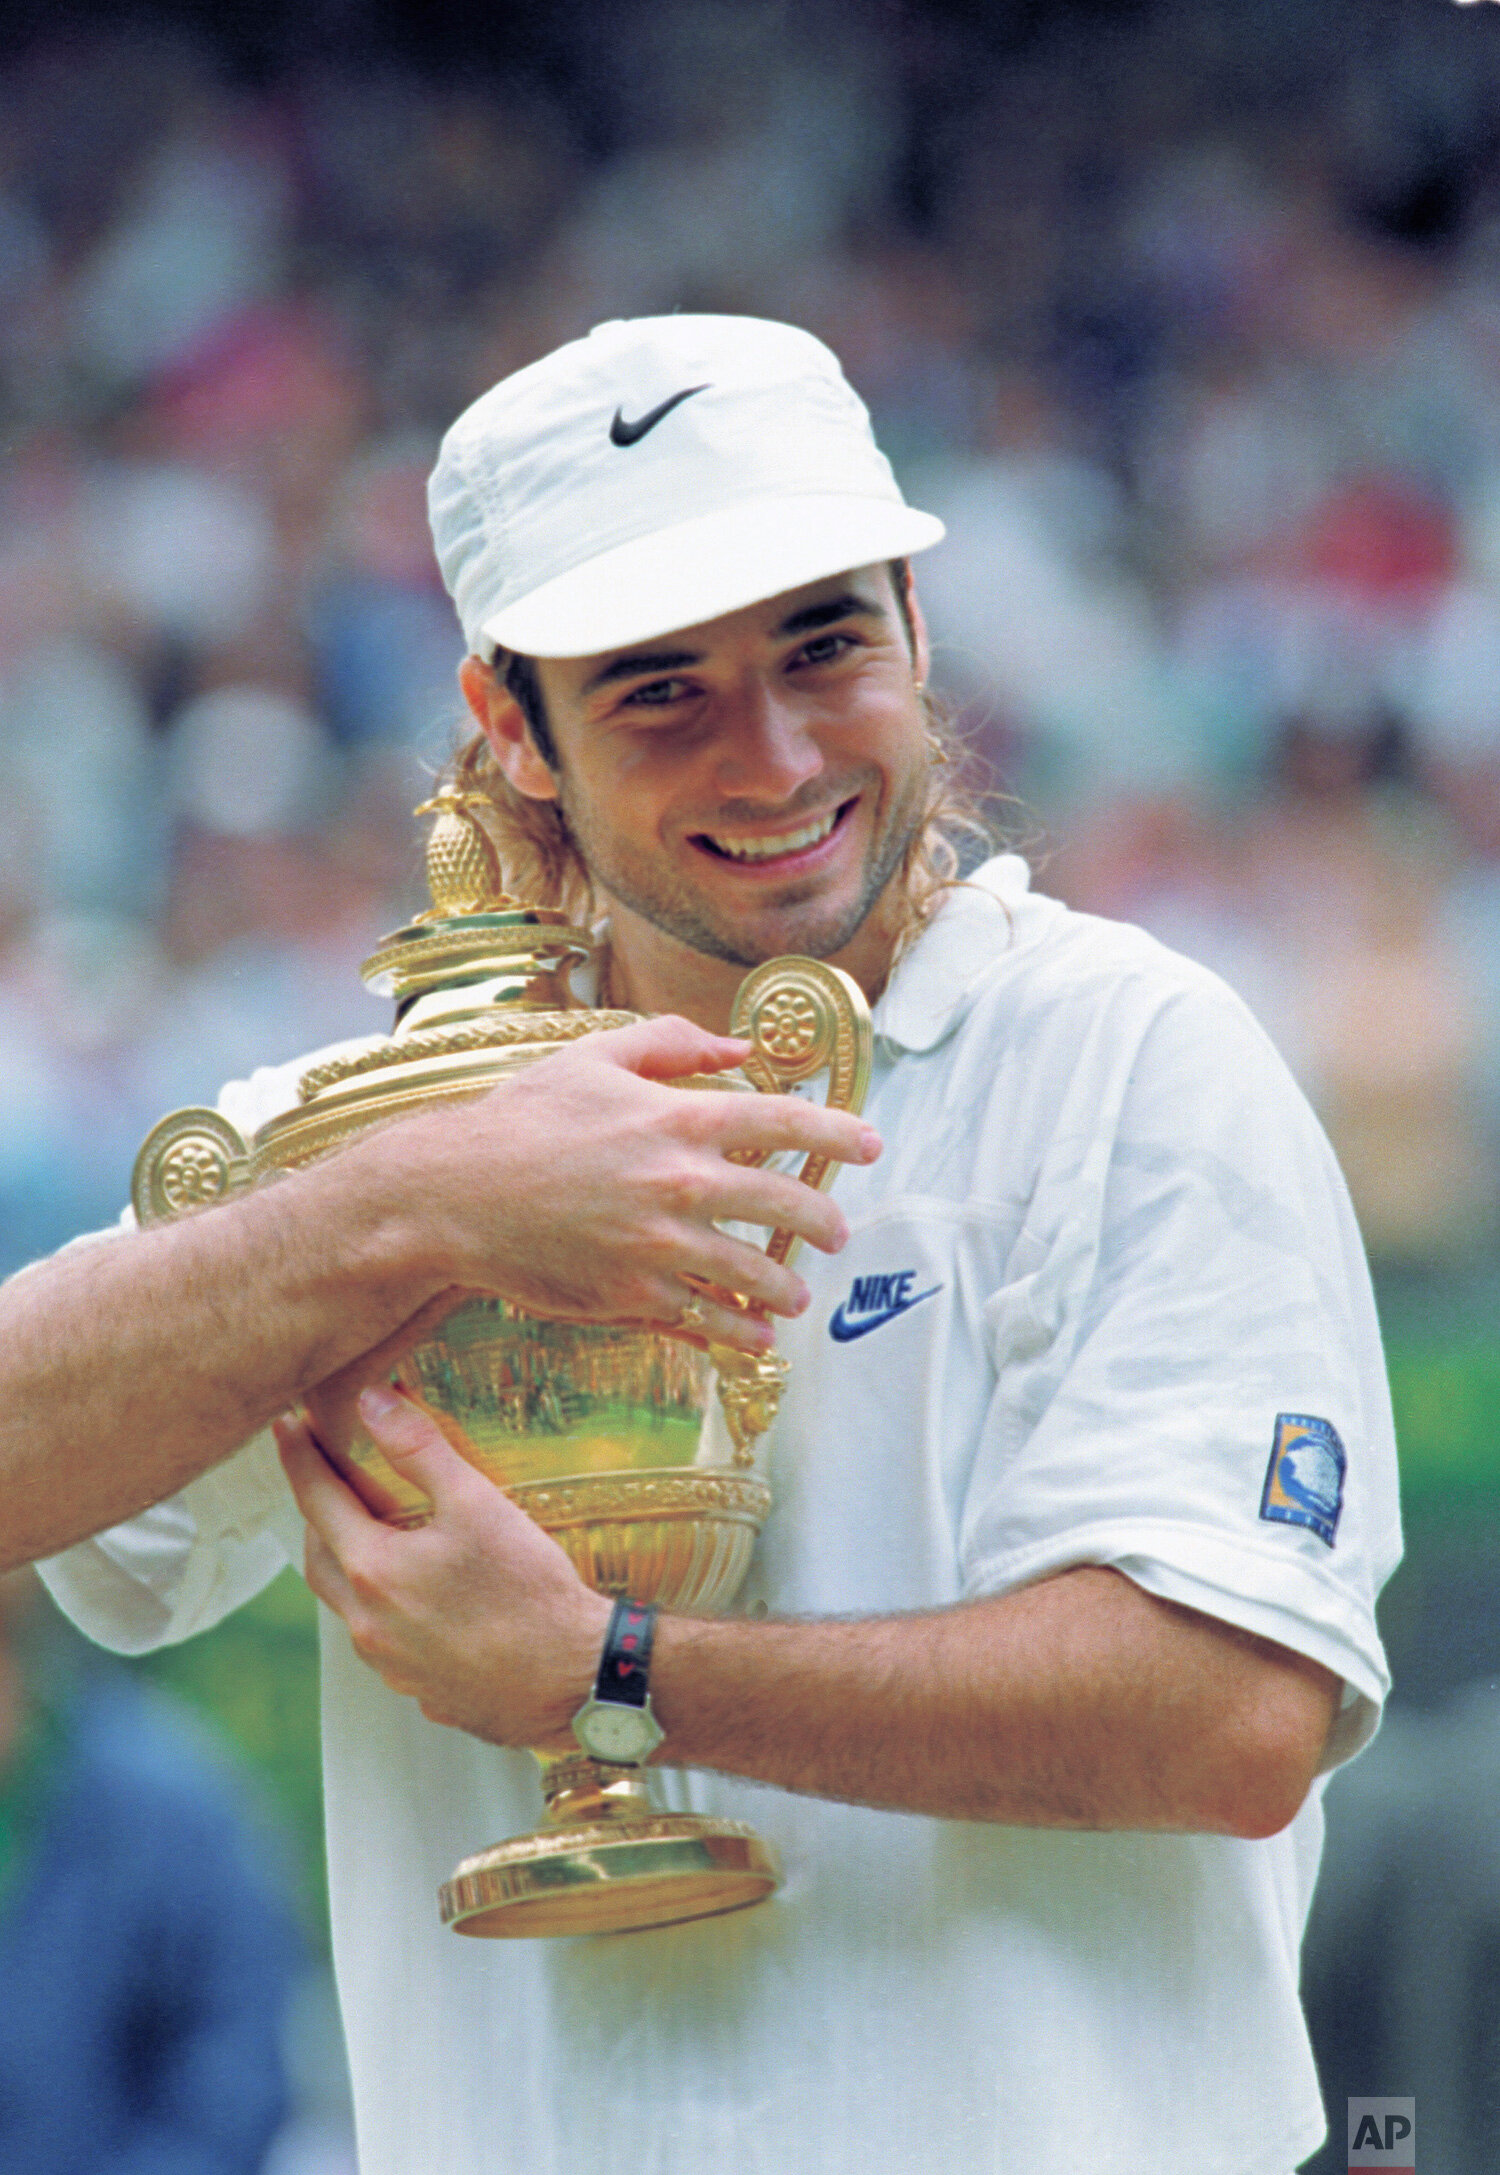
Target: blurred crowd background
{"x": 1184, "y": 315}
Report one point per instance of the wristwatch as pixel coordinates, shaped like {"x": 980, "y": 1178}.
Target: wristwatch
{"x": 615, "y": 1722}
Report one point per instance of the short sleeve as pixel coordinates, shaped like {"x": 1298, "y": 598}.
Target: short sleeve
{"x": 186, "y": 1563}
{"x": 1198, "y": 1308}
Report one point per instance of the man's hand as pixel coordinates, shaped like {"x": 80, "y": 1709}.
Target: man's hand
{"x": 1079, "y": 1702}
{"x": 478, "y": 1615}
{"x": 587, "y": 1188}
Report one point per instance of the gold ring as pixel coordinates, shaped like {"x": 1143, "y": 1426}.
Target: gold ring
{"x": 692, "y": 1315}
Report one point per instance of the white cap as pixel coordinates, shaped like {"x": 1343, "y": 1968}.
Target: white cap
{"x": 658, "y": 473}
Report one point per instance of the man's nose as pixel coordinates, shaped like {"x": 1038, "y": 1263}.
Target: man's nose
{"x": 768, "y": 748}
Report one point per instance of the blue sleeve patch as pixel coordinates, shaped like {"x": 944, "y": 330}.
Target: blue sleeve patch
{"x": 1305, "y": 1478}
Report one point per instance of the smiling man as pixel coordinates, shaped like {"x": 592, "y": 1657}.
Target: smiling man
{"x": 1084, "y": 1478}
{"x": 751, "y": 790}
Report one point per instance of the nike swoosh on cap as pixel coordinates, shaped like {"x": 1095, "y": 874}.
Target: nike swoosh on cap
{"x": 622, "y": 433}
{"x": 843, "y": 1331}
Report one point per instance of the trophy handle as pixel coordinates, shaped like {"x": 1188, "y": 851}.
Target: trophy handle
{"x": 189, "y": 1159}
{"x": 804, "y": 1017}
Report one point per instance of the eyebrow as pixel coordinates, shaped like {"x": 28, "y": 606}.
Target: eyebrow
{"x": 654, "y": 662}
{"x": 813, "y": 616}
{"x": 657, "y": 663}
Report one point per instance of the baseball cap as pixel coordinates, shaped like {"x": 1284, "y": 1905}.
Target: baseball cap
{"x": 654, "y": 474}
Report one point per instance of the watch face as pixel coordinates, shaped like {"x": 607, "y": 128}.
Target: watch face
{"x": 613, "y": 1732}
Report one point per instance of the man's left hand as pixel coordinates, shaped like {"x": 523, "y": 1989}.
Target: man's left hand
{"x": 478, "y": 1615}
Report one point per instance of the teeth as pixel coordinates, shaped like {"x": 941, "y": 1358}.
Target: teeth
{"x": 770, "y": 849}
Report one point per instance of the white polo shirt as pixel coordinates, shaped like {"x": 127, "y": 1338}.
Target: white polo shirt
{"x": 1104, "y": 1302}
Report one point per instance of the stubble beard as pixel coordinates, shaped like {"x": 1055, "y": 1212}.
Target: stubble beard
{"x": 671, "y": 907}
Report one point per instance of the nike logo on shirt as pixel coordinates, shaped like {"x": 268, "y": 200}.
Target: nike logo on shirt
{"x": 622, "y": 433}
{"x": 874, "y": 1301}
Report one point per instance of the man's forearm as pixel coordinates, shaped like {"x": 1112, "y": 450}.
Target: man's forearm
{"x": 585, "y": 1187}
{"x": 1080, "y": 1702}
{"x": 132, "y": 1365}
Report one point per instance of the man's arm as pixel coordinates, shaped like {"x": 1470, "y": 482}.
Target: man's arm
{"x": 583, "y": 1187}
{"x": 1079, "y": 1702}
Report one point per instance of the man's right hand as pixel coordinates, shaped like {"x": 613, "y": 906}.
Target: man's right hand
{"x": 588, "y": 1187}
{"x": 584, "y": 1187}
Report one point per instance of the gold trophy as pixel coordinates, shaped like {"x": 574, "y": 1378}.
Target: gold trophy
{"x": 611, "y": 1437}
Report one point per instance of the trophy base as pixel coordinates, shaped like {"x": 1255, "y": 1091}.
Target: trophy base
{"x": 606, "y": 1861}
{"x": 611, "y": 1876}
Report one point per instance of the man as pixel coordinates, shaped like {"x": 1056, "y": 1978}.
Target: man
{"x": 1084, "y": 1479}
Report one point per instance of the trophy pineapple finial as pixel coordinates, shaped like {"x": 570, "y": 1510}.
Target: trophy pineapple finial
{"x": 463, "y": 868}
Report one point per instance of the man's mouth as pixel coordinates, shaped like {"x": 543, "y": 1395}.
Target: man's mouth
{"x": 746, "y": 846}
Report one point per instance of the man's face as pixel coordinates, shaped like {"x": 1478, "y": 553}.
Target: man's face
{"x": 749, "y": 786}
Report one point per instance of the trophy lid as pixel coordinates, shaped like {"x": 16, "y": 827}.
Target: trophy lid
{"x": 475, "y": 931}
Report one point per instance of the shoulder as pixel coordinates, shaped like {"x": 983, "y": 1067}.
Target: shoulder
{"x": 1083, "y": 1045}
{"x": 1023, "y": 1044}
{"x": 1023, "y": 974}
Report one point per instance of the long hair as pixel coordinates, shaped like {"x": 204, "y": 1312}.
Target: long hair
{"x": 540, "y": 861}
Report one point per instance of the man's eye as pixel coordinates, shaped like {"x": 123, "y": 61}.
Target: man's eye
{"x": 824, "y": 648}
{"x": 656, "y": 694}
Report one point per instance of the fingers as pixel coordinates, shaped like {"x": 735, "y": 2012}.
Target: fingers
{"x": 408, "y": 1436}
{"x": 693, "y": 1247}
{"x": 737, "y": 1287}
{"x": 606, "y": 1231}
{"x": 747, "y": 1272}
{"x": 325, "y": 1577}
{"x": 775, "y": 1201}
{"x": 330, "y": 1506}
{"x": 718, "y": 1318}
{"x": 667, "y": 1047}
{"x": 412, "y": 1440}
{"x": 335, "y": 1516}
{"x": 781, "y": 1124}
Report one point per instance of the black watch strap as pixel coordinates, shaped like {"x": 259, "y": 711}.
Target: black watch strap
{"x": 625, "y": 1661}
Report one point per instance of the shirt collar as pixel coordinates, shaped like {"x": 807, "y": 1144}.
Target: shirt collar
{"x": 928, "y": 993}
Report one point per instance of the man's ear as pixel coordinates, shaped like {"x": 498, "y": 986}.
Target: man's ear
{"x": 921, "y": 647}
{"x": 503, "y": 722}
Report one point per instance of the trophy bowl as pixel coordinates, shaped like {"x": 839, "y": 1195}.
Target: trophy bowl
{"x": 635, "y": 1449}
